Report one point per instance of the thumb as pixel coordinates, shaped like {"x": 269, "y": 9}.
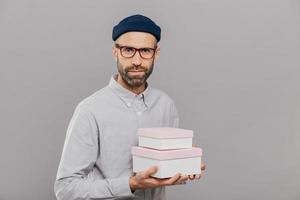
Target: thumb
{"x": 150, "y": 171}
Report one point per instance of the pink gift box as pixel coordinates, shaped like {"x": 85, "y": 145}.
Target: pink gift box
{"x": 170, "y": 162}
{"x": 165, "y": 138}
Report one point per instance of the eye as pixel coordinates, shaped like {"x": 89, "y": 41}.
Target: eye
{"x": 128, "y": 49}
{"x": 146, "y": 50}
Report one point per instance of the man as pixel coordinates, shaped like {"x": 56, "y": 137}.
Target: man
{"x": 96, "y": 161}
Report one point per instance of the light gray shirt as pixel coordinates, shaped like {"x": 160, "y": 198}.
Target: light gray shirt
{"x": 96, "y": 162}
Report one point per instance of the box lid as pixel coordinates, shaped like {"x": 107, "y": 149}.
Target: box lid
{"x": 165, "y": 133}
{"x": 166, "y": 154}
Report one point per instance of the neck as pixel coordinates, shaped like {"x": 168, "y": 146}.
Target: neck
{"x": 136, "y": 90}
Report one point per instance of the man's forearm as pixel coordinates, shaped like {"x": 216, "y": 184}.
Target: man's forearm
{"x": 76, "y": 188}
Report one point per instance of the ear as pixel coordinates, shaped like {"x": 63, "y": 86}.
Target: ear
{"x": 157, "y": 52}
{"x": 114, "y": 52}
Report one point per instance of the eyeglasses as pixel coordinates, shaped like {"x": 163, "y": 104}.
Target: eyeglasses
{"x": 129, "y": 52}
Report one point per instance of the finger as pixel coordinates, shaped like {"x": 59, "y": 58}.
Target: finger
{"x": 150, "y": 171}
{"x": 185, "y": 178}
{"x": 192, "y": 177}
{"x": 198, "y": 176}
{"x": 194, "y": 145}
{"x": 171, "y": 180}
{"x": 182, "y": 179}
{"x": 203, "y": 166}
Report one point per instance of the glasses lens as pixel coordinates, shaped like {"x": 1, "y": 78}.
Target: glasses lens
{"x": 147, "y": 53}
{"x": 127, "y": 51}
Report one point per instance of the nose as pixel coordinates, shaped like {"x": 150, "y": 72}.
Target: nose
{"x": 136, "y": 59}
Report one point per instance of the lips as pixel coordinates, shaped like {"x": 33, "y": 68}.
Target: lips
{"x": 136, "y": 72}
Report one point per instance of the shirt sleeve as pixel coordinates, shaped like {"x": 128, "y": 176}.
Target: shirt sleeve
{"x": 75, "y": 179}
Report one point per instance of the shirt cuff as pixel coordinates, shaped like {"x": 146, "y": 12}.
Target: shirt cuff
{"x": 120, "y": 186}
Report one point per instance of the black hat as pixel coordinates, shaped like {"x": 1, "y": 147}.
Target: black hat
{"x": 137, "y": 23}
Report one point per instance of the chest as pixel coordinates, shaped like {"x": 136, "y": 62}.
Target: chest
{"x": 118, "y": 133}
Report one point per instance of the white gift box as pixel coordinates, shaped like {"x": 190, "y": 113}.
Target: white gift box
{"x": 169, "y": 162}
{"x": 165, "y": 138}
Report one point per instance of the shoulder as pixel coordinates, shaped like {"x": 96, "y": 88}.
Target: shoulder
{"x": 90, "y": 102}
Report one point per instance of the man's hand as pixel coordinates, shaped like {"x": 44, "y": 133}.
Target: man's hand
{"x": 197, "y": 176}
{"x": 143, "y": 180}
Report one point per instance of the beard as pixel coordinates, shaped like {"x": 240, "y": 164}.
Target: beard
{"x": 134, "y": 80}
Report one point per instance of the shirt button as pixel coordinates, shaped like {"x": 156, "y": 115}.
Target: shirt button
{"x": 139, "y": 113}
{"x": 128, "y": 104}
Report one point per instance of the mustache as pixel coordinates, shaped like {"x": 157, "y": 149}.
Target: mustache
{"x": 135, "y": 68}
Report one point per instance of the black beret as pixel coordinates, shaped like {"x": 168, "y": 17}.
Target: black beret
{"x": 137, "y": 23}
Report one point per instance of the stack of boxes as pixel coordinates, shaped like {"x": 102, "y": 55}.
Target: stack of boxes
{"x": 171, "y": 149}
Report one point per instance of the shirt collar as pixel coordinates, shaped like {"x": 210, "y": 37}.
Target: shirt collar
{"x": 126, "y": 95}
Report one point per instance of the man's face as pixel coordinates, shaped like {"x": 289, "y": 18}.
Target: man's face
{"x": 135, "y": 70}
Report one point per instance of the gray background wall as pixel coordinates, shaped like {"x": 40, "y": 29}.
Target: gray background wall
{"x": 231, "y": 66}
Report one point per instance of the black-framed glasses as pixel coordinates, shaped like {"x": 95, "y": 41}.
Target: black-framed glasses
{"x": 129, "y": 52}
